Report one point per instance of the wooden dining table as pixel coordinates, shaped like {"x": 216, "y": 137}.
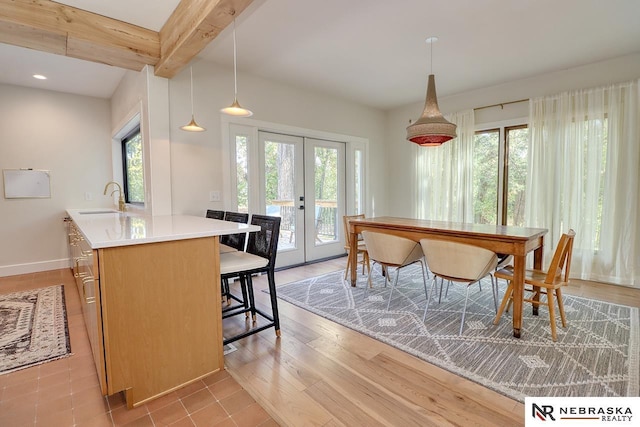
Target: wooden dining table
{"x": 516, "y": 241}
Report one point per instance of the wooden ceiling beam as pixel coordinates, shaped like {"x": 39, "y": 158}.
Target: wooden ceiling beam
{"x": 53, "y": 27}
{"x": 64, "y": 30}
{"x": 191, "y": 26}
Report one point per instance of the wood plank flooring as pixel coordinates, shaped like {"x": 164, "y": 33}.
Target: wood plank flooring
{"x": 317, "y": 374}
{"x": 322, "y": 374}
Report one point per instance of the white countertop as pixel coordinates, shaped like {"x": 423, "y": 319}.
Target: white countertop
{"x": 105, "y": 228}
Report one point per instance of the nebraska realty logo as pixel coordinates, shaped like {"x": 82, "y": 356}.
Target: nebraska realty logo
{"x": 582, "y": 411}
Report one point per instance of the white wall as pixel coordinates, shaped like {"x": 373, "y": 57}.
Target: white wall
{"x": 72, "y": 136}
{"x": 197, "y": 159}
{"x": 68, "y": 135}
{"x": 399, "y": 151}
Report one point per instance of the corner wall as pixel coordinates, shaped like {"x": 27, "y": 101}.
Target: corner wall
{"x": 67, "y": 135}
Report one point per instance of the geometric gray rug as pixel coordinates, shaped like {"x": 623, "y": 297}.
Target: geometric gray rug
{"x": 33, "y": 328}
{"x": 596, "y": 355}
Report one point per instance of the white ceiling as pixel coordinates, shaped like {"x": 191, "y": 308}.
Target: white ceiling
{"x": 372, "y": 51}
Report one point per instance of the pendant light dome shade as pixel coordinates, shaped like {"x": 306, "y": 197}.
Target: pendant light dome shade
{"x": 192, "y": 126}
{"x": 431, "y": 129}
{"x": 235, "y": 109}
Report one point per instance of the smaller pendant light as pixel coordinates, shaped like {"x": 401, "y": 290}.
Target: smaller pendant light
{"x": 235, "y": 109}
{"x": 431, "y": 129}
{"x": 192, "y": 126}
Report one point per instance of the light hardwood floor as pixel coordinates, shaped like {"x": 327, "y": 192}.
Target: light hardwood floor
{"x": 322, "y": 374}
{"x": 316, "y": 373}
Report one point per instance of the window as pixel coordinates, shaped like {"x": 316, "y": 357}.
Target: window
{"x": 515, "y": 174}
{"x": 485, "y": 176}
{"x": 358, "y": 185}
{"x": 242, "y": 174}
{"x": 132, "y": 166}
{"x": 499, "y": 175}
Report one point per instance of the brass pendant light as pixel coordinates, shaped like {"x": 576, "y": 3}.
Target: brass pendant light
{"x": 192, "y": 126}
{"x": 235, "y": 109}
{"x": 431, "y": 129}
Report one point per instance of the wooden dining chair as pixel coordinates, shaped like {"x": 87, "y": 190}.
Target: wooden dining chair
{"x": 361, "y": 255}
{"x": 539, "y": 282}
{"x": 457, "y": 262}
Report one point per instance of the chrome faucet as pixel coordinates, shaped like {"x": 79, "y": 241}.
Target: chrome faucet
{"x": 121, "y": 205}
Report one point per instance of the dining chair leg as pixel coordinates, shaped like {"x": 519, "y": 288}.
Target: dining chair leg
{"x": 368, "y": 262}
{"x": 245, "y": 296}
{"x": 395, "y": 283}
{"x": 552, "y": 315}
{"x": 494, "y": 291}
{"x": 442, "y": 286}
{"x": 346, "y": 270}
{"x": 252, "y": 302}
{"x": 503, "y": 304}
{"x": 464, "y": 309}
{"x": 366, "y": 288}
{"x": 561, "y": 307}
{"x": 274, "y": 301}
{"x": 426, "y": 308}
{"x": 424, "y": 280}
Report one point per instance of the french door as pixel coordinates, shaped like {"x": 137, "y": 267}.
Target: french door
{"x": 302, "y": 180}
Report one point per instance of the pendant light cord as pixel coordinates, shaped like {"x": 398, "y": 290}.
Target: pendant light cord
{"x": 191, "y": 71}
{"x": 431, "y": 58}
{"x": 431, "y": 40}
{"x": 235, "y": 72}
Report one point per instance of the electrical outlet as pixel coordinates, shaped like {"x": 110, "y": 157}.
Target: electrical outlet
{"x": 214, "y": 196}
{"x": 88, "y": 196}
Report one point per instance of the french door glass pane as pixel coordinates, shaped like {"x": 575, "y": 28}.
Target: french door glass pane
{"x": 485, "y": 177}
{"x": 280, "y": 189}
{"x": 326, "y": 195}
{"x": 516, "y": 174}
{"x": 242, "y": 174}
{"x": 357, "y": 194}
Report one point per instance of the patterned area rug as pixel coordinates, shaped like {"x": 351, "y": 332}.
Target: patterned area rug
{"x": 33, "y": 328}
{"x": 596, "y": 355}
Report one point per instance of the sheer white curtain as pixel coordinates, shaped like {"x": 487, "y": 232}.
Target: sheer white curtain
{"x": 444, "y": 180}
{"x": 584, "y": 173}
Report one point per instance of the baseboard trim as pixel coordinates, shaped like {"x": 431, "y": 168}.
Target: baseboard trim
{"x": 33, "y": 267}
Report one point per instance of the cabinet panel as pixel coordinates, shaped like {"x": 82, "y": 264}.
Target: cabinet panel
{"x": 152, "y": 312}
{"x": 161, "y": 316}
{"x": 85, "y": 269}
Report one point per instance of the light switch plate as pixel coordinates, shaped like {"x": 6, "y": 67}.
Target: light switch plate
{"x": 214, "y": 196}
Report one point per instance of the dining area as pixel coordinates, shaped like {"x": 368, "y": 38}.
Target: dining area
{"x": 464, "y": 252}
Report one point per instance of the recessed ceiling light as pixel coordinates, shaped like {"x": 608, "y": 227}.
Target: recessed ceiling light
{"x": 39, "y": 77}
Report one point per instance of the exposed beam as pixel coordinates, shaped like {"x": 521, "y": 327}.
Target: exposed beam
{"x": 191, "y": 26}
{"x": 53, "y": 27}
{"x": 64, "y": 30}
{"x": 32, "y": 38}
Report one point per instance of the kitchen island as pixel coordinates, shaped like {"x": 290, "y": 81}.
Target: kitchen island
{"x": 150, "y": 290}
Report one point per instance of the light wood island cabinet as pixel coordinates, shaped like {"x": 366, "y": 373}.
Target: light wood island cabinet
{"x": 152, "y": 307}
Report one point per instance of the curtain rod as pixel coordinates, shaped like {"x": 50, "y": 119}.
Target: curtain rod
{"x": 502, "y": 104}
